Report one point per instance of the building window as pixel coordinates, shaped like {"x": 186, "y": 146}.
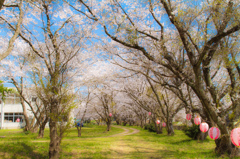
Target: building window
{"x": 13, "y": 117}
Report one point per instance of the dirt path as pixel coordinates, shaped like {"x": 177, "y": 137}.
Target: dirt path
{"x": 126, "y": 131}
{"x": 123, "y": 147}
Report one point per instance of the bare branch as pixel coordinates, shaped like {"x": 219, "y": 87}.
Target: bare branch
{"x": 16, "y": 33}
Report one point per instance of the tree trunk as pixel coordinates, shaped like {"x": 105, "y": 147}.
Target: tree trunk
{"x": 42, "y": 128}
{"x": 130, "y": 123}
{"x": 235, "y": 152}
{"x": 192, "y": 120}
{"x": 202, "y": 136}
{"x": 98, "y": 122}
{"x": 141, "y": 124}
{"x": 170, "y": 130}
{"x": 118, "y": 122}
{"x": 55, "y": 140}
{"x": 223, "y": 145}
{"x": 79, "y": 131}
{"x": 133, "y": 122}
{"x": 108, "y": 126}
{"x": 41, "y": 131}
{"x": 34, "y": 128}
{"x": 27, "y": 126}
{"x": 54, "y": 147}
{"x": 158, "y": 128}
{"x": 145, "y": 121}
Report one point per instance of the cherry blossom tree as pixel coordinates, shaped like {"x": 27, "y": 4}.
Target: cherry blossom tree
{"x": 84, "y": 100}
{"x": 16, "y": 70}
{"x": 184, "y": 39}
{"x": 104, "y": 105}
{"x": 191, "y": 49}
{"x": 137, "y": 90}
{"x": 60, "y": 52}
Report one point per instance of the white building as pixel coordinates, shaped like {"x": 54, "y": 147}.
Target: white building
{"x": 12, "y": 111}
{"x": 12, "y": 117}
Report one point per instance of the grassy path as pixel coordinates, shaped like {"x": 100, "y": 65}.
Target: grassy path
{"x": 127, "y": 131}
{"x": 122, "y": 146}
{"x": 132, "y": 146}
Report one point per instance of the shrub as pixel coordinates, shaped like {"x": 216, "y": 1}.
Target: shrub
{"x": 193, "y": 131}
{"x": 27, "y": 132}
{"x": 150, "y": 127}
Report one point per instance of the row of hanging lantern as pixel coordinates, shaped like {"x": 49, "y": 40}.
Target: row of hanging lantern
{"x": 163, "y": 124}
{"x": 158, "y": 121}
{"x": 214, "y": 133}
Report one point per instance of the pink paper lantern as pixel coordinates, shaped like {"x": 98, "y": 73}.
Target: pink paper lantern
{"x": 235, "y": 137}
{"x": 110, "y": 114}
{"x": 149, "y": 113}
{"x": 188, "y": 116}
{"x": 204, "y": 127}
{"x": 214, "y": 133}
{"x": 197, "y": 120}
{"x": 18, "y": 120}
{"x": 158, "y": 121}
{"x": 164, "y": 124}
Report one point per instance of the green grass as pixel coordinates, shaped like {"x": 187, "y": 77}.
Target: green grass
{"x": 14, "y": 143}
{"x": 95, "y": 143}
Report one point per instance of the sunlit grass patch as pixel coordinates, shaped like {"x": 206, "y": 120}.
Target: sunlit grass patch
{"x": 97, "y": 143}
